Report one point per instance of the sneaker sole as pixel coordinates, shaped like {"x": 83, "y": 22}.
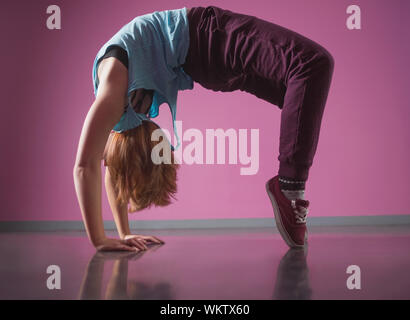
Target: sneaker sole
{"x": 279, "y": 223}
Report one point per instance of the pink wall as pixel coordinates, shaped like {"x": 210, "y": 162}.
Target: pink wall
{"x": 362, "y": 162}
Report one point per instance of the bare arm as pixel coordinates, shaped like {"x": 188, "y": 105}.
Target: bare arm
{"x": 120, "y": 214}
{"x": 104, "y": 113}
{"x": 119, "y": 210}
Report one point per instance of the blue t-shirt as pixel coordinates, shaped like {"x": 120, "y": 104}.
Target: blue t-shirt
{"x": 157, "y": 44}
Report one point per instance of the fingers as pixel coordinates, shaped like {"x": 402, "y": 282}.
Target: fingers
{"x": 141, "y": 239}
{"x": 140, "y": 245}
{"x": 153, "y": 239}
{"x": 128, "y": 248}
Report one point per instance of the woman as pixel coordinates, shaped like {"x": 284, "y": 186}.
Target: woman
{"x": 154, "y": 56}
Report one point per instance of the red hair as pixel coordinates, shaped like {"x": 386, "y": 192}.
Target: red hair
{"x": 137, "y": 179}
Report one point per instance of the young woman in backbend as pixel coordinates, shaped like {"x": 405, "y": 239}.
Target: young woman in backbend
{"x": 145, "y": 64}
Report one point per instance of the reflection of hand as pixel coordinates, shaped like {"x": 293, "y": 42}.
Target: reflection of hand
{"x": 133, "y": 244}
{"x": 117, "y": 255}
{"x": 144, "y": 239}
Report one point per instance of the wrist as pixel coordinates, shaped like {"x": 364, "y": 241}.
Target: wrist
{"x": 123, "y": 234}
{"x": 98, "y": 241}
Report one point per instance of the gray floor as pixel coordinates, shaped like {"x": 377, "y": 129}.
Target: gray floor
{"x": 211, "y": 264}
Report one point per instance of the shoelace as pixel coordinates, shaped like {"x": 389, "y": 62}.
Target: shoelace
{"x": 300, "y": 212}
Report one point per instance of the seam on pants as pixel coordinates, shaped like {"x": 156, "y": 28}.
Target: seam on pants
{"x": 298, "y": 122}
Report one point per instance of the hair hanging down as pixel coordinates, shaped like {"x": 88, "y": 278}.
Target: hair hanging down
{"x": 137, "y": 180}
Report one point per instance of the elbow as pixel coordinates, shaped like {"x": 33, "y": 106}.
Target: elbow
{"x": 80, "y": 167}
{"x": 78, "y": 170}
{"x": 82, "y": 172}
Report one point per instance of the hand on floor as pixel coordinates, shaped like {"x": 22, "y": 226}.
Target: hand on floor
{"x": 132, "y": 244}
{"x": 144, "y": 239}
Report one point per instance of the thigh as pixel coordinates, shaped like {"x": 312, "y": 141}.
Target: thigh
{"x": 231, "y": 51}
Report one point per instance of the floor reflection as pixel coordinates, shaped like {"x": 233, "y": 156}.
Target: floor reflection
{"x": 221, "y": 264}
{"x": 119, "y": 287}
{"x": 292, "y": 277}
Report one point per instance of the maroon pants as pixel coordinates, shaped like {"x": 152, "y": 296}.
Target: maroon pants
{"x": 230, "y": 51}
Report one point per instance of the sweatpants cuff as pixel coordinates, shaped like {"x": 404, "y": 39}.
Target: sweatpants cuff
{"x": 293, "y": 171}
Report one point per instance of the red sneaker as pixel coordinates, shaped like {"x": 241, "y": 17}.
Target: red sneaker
{"x": 290, "y": 215}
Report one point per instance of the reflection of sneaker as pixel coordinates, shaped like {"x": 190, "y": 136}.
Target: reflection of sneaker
{"x": 292, "y": 277}
{"x": 290, "y": 215}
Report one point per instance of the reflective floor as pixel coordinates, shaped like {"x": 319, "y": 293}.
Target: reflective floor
{"x": 211, "y": 264}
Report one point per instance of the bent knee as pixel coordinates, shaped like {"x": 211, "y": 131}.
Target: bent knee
{"x": 326, "y": 60}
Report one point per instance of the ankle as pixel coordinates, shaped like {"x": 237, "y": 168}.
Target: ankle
{"x": 292, "y": 188}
